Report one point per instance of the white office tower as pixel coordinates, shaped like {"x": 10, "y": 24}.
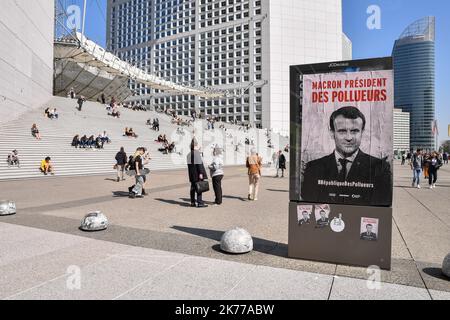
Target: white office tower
{"x": 244, "y": 47}
{"x": 401, "y": 131}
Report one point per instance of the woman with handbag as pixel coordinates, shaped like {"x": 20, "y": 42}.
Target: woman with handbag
{"x": 137, "y": 166}
{"x": 197, "y": 175}
{"x": 216, "y": 169}
{"x": 434, "y": 163}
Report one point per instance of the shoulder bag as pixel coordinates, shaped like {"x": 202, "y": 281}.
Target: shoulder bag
{"x": 200, "y": 186}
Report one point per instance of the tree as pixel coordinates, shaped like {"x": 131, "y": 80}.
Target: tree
{"x": 446, "y": 146}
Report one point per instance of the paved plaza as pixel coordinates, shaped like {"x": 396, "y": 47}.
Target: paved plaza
{"x": 160, "y": 248}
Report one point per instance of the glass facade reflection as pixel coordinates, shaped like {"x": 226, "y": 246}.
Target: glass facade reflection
{"x": 414, "y": 66}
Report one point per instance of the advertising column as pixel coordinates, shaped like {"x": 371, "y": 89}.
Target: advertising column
{"x": 341, "y": 178}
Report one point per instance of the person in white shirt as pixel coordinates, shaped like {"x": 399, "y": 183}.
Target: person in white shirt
{"x": 105, "y": 138}
{"x": 13, "y": 159}
{"x": 217, "y": 174}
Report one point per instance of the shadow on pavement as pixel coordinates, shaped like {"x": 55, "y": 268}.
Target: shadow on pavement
{"x": 259, "y": 245}
{"x": 209, "y": 203}
{"x": 435, "y": 273}
{"x": 181, "y": 203}
{"x": 235, "y": 198}
{"x": 120, "y": 194}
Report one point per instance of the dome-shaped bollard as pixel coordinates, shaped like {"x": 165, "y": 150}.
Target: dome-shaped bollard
{"x": 95, "y": 221}
{"x": 7, "y": 207}
{"x": 446, "y": 266}
{"x": 237, "y": 241}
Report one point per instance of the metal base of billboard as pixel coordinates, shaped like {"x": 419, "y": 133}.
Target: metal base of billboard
{"x": 342, "y": 237}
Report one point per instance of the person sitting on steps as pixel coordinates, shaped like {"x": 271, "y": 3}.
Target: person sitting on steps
{"x": 91, "y": 141}
{"x": 83, "y": 142}
{"x": 35, "y": 132}
{"x": 76, "y": 141}
{"x": 46, "y": 166}
{"x": 13, "y": 159}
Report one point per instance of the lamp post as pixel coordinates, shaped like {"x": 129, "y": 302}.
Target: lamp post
{"x": 84, "y": 21}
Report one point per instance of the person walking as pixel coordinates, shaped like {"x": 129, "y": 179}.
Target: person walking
{"x": 254, "y": 163}
{"x": 121, "y": 161}
{"x": 217, "y": 174}
{"x": 80, "y": 102}
{"x": 403, "y": 159}
{"x": 281, "y": 163}
{"x": 274, "y": 160}
{"x": 434, "y": 163}
{"x": 445, "y": 157}
{"x": 72, "y": 93}
{"x": 136, "y": 165}
{"x": 197, "y": 173}
{"x": 417, "y": 166}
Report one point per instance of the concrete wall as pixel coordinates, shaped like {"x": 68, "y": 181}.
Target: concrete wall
{"x": 301, "y": 32}
{"x": 26, "y": 56}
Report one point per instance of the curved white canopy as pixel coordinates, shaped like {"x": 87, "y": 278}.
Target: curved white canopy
{"x": 85, "y": 51}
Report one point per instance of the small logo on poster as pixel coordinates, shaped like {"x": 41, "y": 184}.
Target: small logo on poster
{"x": 337, "y": 224}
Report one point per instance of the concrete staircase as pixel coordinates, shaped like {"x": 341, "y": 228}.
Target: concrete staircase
{"x": 93, "y": 119}
{"x": 57, "y": 137}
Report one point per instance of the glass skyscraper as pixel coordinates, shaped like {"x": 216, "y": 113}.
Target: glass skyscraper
{"x": 414, "y": 67}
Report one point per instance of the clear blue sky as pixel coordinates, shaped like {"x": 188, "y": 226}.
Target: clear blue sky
{"x": 95, "y": 20}
{"x": 396, "y": 15}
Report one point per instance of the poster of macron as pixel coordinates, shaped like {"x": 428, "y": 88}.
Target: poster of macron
{"x": 347, "y": 137}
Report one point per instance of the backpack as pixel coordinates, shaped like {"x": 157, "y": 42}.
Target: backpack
{"x": 416, "y": 161}
{"x": 131, "y": 163}
{"x": 438, "y": 164}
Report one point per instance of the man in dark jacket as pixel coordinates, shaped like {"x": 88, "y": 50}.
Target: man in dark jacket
{"x": 80, "y": 102}
{"x": 121, "y": 161}
{"x": 76, "y": 141}
{"x": 281, "y": 164}
{"x": 197, "y": 173}
{"x": 83, "y": 141}
{"x": 348, "y": 175}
